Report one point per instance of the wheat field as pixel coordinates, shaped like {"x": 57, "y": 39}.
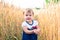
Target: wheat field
{"x": 12, "y": 17}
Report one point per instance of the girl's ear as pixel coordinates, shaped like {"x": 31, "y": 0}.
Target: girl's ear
{"x": 33, "y": 13}
{"x": 23, "y": 12}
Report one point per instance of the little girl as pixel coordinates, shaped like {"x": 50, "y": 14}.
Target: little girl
{"x": 30, "y": 26}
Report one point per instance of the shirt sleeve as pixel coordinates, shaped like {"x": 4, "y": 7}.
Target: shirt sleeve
{"x": 23, "y": 24}
{"x": 36, "y": 22}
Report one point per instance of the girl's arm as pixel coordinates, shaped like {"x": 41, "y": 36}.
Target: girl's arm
{"x": 38, "y": 28}
{"x": 37, "y": 31}
{"x": 25, "y": 29}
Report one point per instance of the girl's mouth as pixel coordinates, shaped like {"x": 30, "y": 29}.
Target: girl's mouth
{"x": 28, "y": 18}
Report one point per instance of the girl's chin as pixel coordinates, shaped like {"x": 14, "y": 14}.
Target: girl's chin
{"x": 28, "y": 20}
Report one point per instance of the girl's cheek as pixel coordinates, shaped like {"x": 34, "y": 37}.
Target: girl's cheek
{"x": 31, "y": 18}
{"x": 25, "y": 17}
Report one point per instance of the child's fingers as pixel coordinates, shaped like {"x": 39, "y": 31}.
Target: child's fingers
{"x": 36, "y": 31}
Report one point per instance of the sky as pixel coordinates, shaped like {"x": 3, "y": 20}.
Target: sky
{"x": 26, "y": 3}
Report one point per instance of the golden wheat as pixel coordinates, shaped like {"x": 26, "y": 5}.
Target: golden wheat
{"x": 11, "y": 19}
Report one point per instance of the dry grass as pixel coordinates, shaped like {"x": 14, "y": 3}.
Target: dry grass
{"x": 11, "y": 19}
{"x": 49, "y": 23}
{"x": 10, "y": 22}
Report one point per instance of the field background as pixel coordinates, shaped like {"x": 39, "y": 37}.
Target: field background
{"x": 12, "y": 17}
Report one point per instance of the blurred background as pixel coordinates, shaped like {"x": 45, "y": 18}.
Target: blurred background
{"x": 47, "y": 13}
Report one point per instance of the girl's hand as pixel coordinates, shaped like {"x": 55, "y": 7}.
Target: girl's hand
{"x": 36, "y": 31}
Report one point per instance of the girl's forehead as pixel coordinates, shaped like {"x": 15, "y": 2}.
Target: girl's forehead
{"x": 28, "y": 13}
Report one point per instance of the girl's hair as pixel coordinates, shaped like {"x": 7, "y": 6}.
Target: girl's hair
{"x": 28, "y": 10}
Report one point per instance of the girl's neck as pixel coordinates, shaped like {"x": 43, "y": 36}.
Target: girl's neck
{"x": 30, "y": 22}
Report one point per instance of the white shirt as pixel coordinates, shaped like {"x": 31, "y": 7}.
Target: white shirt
{"x": 26, "y": 24}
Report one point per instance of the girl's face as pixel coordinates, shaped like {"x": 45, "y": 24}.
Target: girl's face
{"x": 28, "y": 16}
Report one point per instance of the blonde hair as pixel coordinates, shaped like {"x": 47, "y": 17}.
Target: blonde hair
{"x": 28, "y": 10}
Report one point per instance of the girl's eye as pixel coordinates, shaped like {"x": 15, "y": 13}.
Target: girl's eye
{"x": 29, "y": 15}
{"x": 26, "y": 15}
